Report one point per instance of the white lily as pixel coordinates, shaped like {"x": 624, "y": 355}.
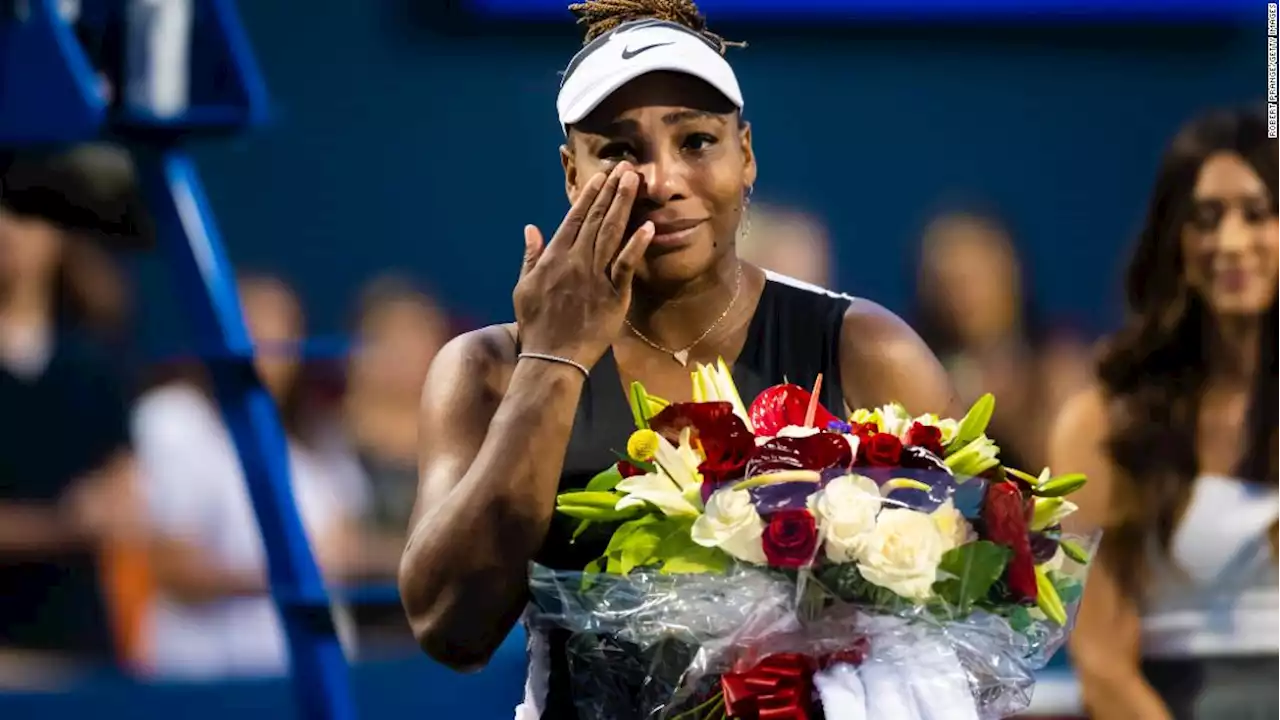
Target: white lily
{"x": 894, "y": 419}
{"x": 1050, "y": 511}
{"x": 673, "y": 486}
{"x": 976, "y": 457}
{"x": 715, "y": 384}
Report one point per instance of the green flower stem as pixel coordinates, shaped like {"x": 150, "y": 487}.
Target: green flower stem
{"x": 710, "y": 706}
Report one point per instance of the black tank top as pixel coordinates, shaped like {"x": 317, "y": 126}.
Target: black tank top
{"x": 793, "y": 336}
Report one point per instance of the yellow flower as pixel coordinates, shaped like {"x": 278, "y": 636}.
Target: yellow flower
{"x": 674, "y": 487}
{"x": 642, "y": 445}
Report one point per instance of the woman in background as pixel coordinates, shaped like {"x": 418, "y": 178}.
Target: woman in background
{"x": 398, "y": 330}
{"x": 212, "y": 616}
{"x": 1178, "y": 437}
{"x": 788, "y": 242}
{"x": 975, "y": 316}
{"x": 66, "y": 468}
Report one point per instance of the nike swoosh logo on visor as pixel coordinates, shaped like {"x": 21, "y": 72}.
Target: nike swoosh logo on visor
{"x": 628, "y": 53}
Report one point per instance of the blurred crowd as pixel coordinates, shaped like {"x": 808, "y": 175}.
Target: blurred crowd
{"x": 126, "y": 531}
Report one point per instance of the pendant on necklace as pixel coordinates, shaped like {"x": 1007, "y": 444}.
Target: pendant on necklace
{"x": 682, "y": 357}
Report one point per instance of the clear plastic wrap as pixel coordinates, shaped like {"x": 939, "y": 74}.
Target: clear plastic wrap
{"x": 809, "y": 643}
{"x": 778, "y": 563}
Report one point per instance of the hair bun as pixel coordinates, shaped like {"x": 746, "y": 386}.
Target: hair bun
{"x": 601, "y": 16}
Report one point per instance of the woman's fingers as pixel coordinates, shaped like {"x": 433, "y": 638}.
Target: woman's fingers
{"x": 568, "y": 231}
{"x": 614, "y": 228}
{"x": 533, "y": 247}
{"x": 624, "y": 267}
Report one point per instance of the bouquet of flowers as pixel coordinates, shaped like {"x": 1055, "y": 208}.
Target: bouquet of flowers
{"x": 776, "y": 561}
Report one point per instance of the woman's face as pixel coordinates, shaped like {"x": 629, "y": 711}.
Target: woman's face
{"x": 274, "y": 320}
{"x": 1230, "y": 240}
{"x": 694, "y": 160}
{"x": 398, "y": 340}
{"x": 30, "y": 249}
{"x": 970, "y": 276}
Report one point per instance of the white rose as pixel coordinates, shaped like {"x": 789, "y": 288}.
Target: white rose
{"x": 732, "y": 524}
{"x": 903, "y": 552}
{"x": 846, "y": 511}
{"x": 955, "y": 529}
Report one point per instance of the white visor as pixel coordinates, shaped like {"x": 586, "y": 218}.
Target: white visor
{"x": 634, "y": 49}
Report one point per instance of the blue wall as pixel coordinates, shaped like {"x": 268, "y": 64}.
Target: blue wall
{"x": 402, "y": 145}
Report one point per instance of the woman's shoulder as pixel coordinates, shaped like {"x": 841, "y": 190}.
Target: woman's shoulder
{"x": 491, "y": 346}
{"x": 481, "y": 357}
{"x": 1086, "y": 415}
{"x": 884, "y": 360}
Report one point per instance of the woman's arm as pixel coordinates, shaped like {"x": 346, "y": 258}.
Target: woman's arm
{"x": 493, "y": 438}
{"x": 882, "y": 360}
{"x": 1106, "y": 642}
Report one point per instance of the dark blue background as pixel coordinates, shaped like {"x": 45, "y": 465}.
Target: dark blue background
{"x": 401, "y": 144}
{"x": 1152, "y": 10}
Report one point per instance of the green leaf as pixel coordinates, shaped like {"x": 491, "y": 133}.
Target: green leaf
{"x": 1073, "y": 550}
{"x": 639, "y": 405}
{"x": 1031, "y": 480}
{"x": 696, "y": 559}
{"x": 975, "y": 421}
{"x": 679, "y": 554}
{"x": 596, "y": 514}
{"x": 1020, "y": 619}
{"x": 606, "y": 480}
{"x": 604, "y": 500}
{"x": 1060, "y": 486}
{"x": 577, "y": 532}
{"x": 635, "y": 543}
{"x": 1048, "y": 600}
{"x": 968, "y": 572}
{"x": 646, "y": 467}
{"x": 1069, "y": 589}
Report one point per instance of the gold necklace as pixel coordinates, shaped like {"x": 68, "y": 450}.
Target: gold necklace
{"x": 682, "y": 356}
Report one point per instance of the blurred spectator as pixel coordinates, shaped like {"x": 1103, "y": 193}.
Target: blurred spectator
{"x": 399, "y": 329}
{"x": 1178, "y": 438}
{"x": 66, "y": 471}
{"x": 974, "y": 314}
{"x": 211, "y": 616}
{"x": 788, "y": 242}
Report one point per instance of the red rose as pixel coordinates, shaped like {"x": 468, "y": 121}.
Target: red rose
{"x": 790, "y": 539}
{"x": 880, "y": 450}
{"x": 626, "y": 469}
{"x": 863, "y": 430}
{"x": 928, "y": 437}
{"x": 724, "y": 438}
{"x": 1004, "y": 522}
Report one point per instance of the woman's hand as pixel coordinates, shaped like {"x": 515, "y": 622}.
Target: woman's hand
{"x": 573, "y": 294}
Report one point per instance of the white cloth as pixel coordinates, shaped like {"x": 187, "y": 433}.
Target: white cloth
{"x": 633, "y": 49}
{"x": 922, "y": 680}
{"x": 195, "y": 491}
{"x": 1215, "y": 592}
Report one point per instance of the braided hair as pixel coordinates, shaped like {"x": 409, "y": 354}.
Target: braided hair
{"x": 602, "y": 16}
